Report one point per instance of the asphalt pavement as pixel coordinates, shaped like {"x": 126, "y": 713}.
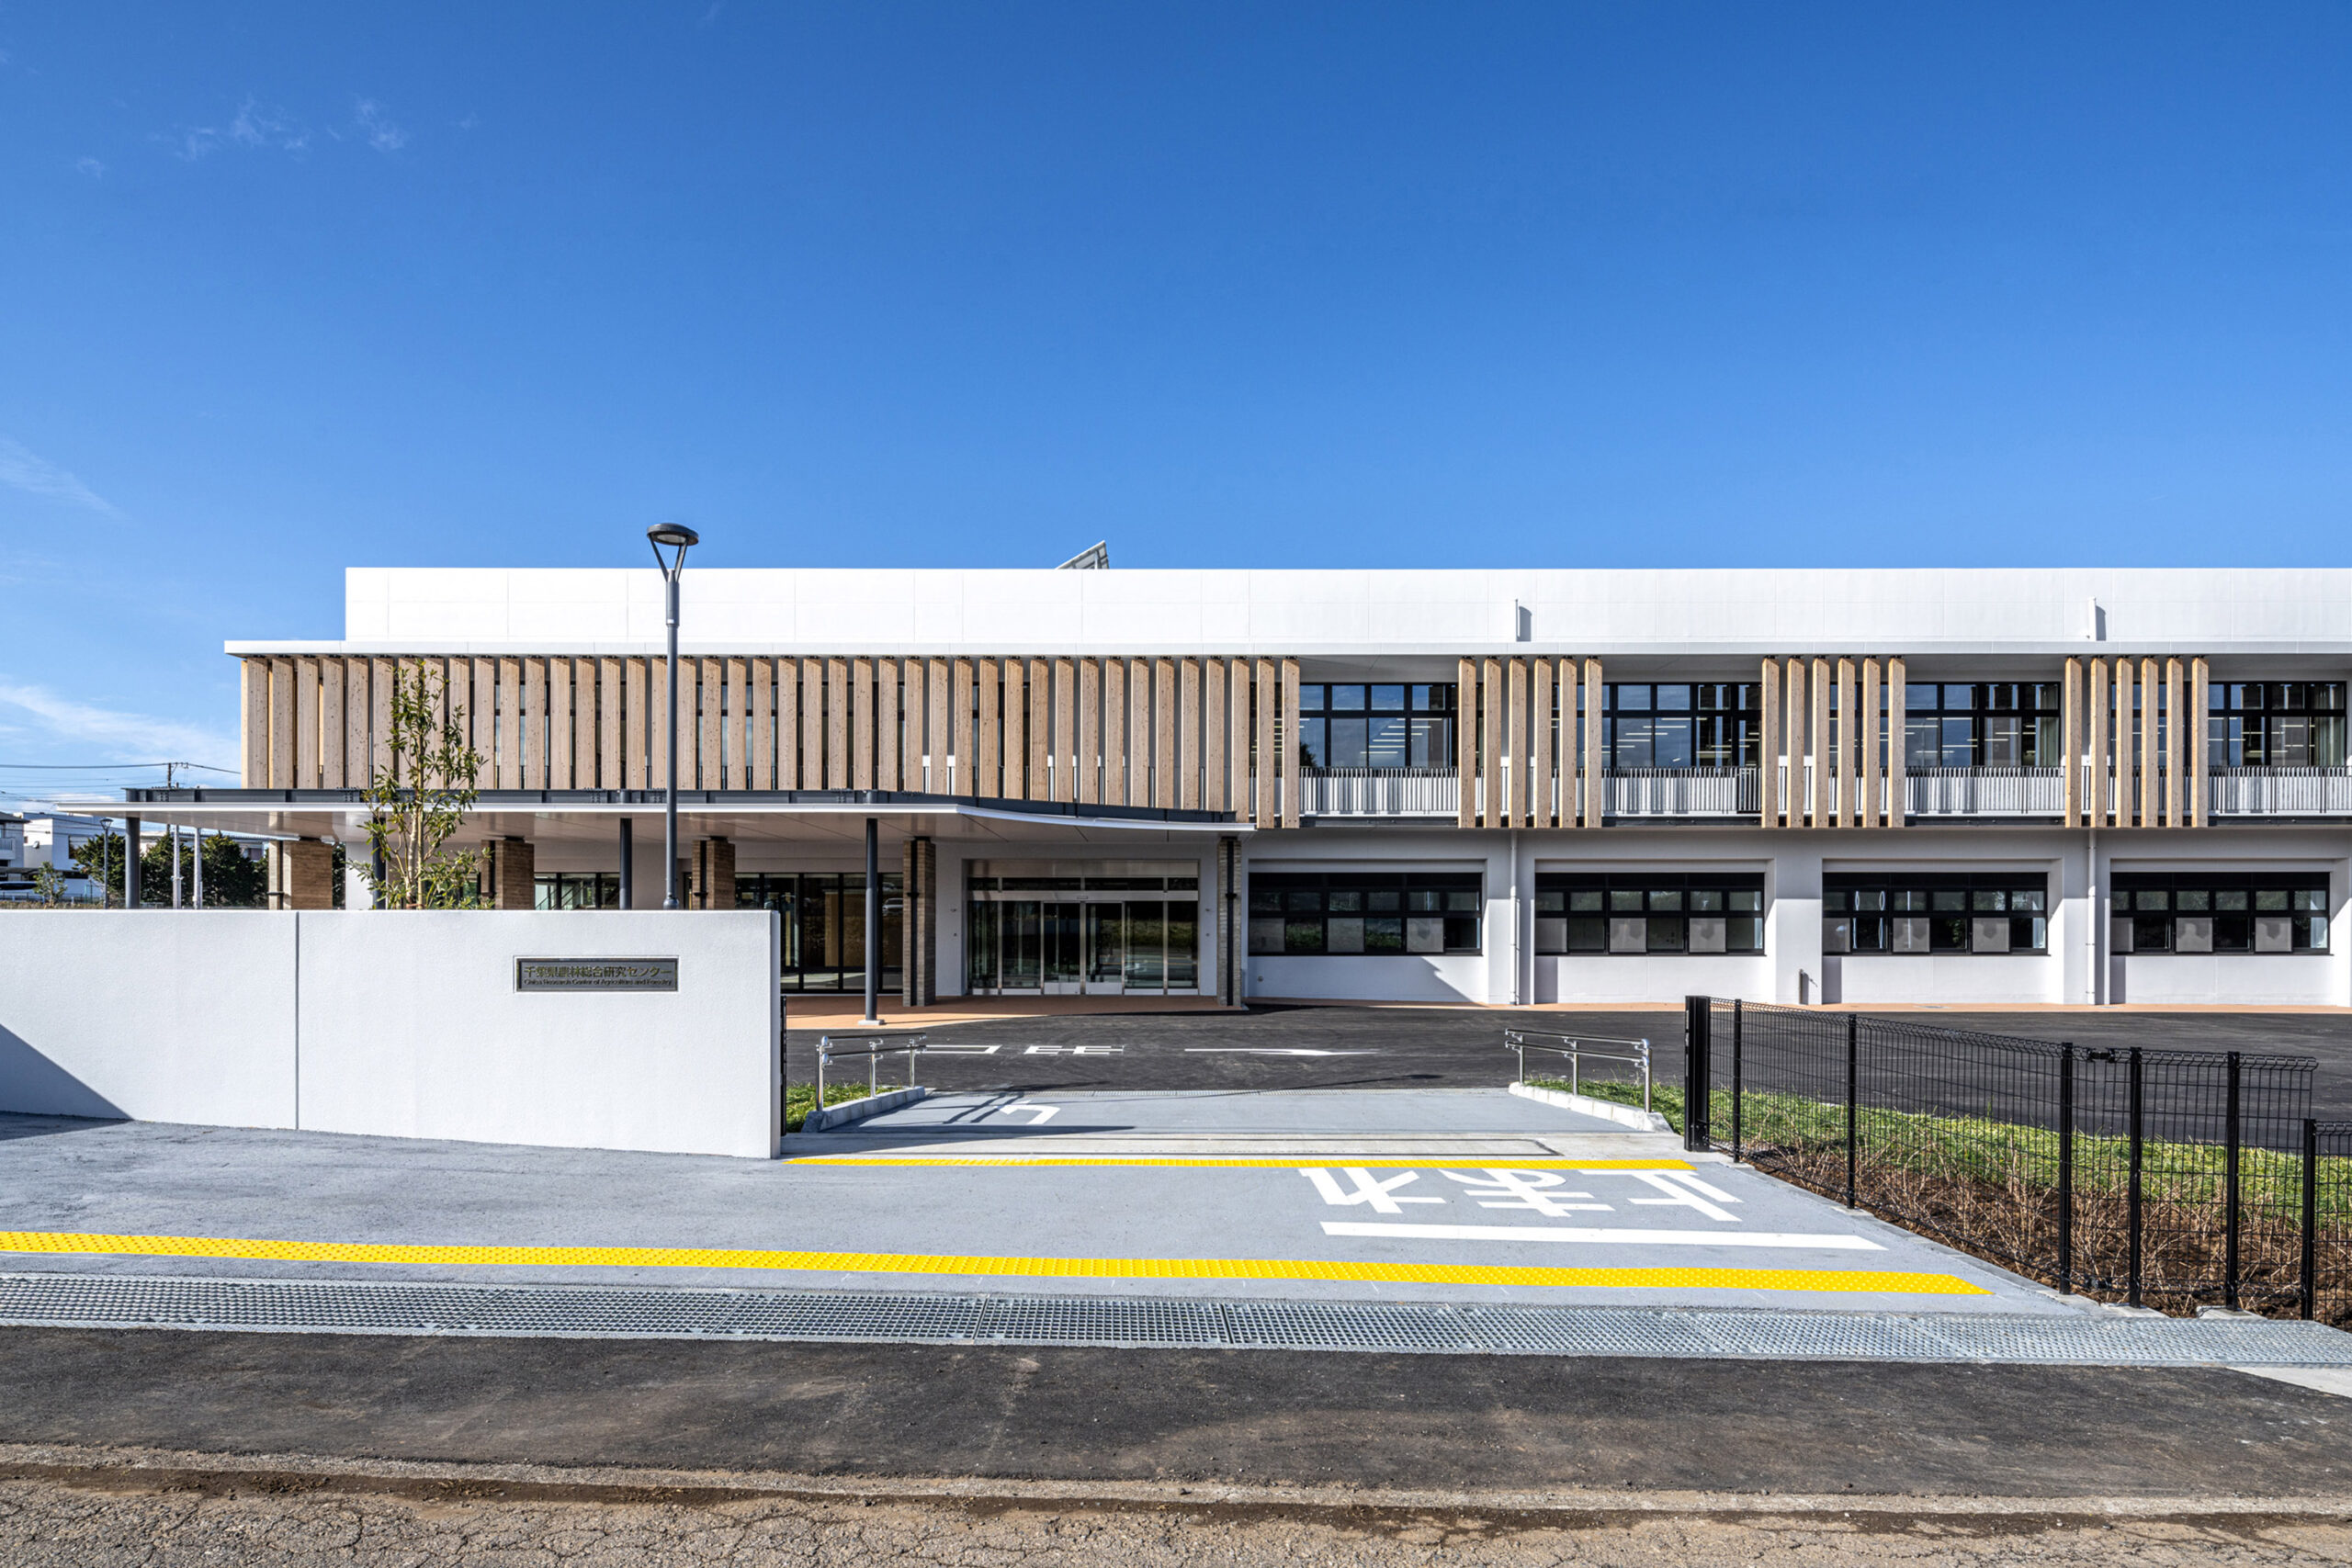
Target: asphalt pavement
{"x": 1276, "y": 1046}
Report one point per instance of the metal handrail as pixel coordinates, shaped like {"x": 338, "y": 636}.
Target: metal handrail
{"x": 827, "y": 1052}
{"x": 1574, "y": 1047}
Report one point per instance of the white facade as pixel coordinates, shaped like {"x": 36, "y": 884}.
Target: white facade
{"x": 2164, "y": 811}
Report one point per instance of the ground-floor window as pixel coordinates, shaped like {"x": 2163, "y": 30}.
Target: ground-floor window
{"x": 1639, "y": 911}
{"x": 824, "y": 925}
{"x": 1374, "y": 913}
{"x": 2221, "y": 911}
{"x": 576, "y": 890}
{"x": 1911, "y": 912}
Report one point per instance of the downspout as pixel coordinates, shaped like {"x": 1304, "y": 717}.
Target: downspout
{"x": 2090, "y": 901}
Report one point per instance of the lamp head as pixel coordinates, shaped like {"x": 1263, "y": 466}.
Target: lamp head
{"x": 674, "y": 534}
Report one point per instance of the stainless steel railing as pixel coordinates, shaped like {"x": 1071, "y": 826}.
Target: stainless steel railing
{"x": 830, "y": 1050}
{"x": 1576, "y": 1048}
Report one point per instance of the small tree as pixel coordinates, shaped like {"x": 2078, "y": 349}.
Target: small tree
{"x": 49, "y": 886}
{"x": 416, "y": 803}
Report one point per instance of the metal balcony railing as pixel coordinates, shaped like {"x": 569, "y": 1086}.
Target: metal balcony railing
{"x": 1380, "y": 791}
{"x": 1680, "y": 792}
{"x": 1985, "y": 792}
{"x": 2281, "y": 792}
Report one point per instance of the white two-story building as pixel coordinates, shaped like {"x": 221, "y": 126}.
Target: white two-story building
{"x": 1494, "y": 786}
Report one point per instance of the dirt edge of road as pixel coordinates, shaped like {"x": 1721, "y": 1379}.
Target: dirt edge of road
{"x": 142, "y": 1472}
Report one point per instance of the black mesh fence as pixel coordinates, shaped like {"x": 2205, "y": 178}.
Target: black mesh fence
{"x": 2171, "y": 1179}
{"x": 2329, "y": 1198}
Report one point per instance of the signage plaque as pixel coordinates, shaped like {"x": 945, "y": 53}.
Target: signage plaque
{"x": 595, "y": 973}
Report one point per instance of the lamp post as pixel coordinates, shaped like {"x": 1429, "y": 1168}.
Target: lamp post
{"x": 678, "y": 538}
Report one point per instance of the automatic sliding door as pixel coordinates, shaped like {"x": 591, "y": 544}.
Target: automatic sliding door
{"x": 1062, "y": 931}
{"x": 1023, "y": 944}
{"x": 1107, "y": 946}
{"x": 1147, "y": 946}
{"x": 1183, "y": 946}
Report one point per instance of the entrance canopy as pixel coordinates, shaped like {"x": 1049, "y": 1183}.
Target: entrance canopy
{"x": 834, "y": 819}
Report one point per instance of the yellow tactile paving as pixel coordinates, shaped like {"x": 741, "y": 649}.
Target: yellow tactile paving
{"x": 1322, "y": 1270}
{"x": 1252, "y": 1162}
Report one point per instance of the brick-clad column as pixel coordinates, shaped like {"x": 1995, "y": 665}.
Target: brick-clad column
{"x": 513, "y": 865}
{"x": 714, "y": 879}
{"x": 301, "y": 875}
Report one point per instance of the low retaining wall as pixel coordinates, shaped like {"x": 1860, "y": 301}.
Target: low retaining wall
{"x": 397, "y": 1024}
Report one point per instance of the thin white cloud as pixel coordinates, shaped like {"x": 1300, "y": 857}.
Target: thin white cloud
{"x": 90, "y": 166}
{"x": 125, "y": 737}
{"x": 378, "y": 127}
{"x": 20, "y": 470}
{"x": 257, "y": 127}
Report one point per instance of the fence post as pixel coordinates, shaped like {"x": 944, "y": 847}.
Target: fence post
{"x": 1734, "y": 1080}
{"x": 2137, "y": 1129}
{"x": 2311, "y": 1218}
{"x": 2230, "y": 1198}
{"x": 1697, "y": 1015}
{"x": 2066, "y": 1168}
{"x": 1853, "y": 1041}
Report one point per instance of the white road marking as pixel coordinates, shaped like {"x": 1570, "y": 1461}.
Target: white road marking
{"x": 1369, "y": 1189}
{"x": 1687, "y": 1179}
{"x": 1540, "y": 1190}
{"x": 967, "y": 1050}
{"x": 1044, "y": 1114}
{"x": 1607, "y": 1236}
{"x": 1073, "y": 1050}
{"x": 1678, "y": 1196}
{"x": 1267, "y": 1051}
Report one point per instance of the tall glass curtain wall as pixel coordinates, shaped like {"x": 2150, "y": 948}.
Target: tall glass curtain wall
{"x": 824, "y": 925}
{"x": 1082, "y": 934}
{"x": 1980, "y": 725}
{"x": 1347, "y": 726}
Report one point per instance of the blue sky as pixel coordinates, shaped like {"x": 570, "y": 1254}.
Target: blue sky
{"x": 285, "y": 288}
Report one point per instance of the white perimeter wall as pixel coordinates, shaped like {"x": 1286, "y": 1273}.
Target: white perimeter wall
{"x": 397, "y": 1024}
{"x": 148, "y": 1014}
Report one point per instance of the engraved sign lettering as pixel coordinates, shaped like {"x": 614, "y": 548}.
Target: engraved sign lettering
{"x": 595, "y": 973}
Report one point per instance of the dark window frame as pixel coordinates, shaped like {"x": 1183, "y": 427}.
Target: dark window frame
{"x": 1584, "y": 914}
{"x": 2273, "y": 711}
{"x": 1292, "y": 914}
{"x": 1704, "y": 724}
{"x": 1423, "y": 712}
{"x": 1885, "y": 914}
{"x": 1941, "y": 729}
{"x": 2147, "y": 910}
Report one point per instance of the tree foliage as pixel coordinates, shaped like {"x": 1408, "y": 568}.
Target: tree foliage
{"x": 418, "y": 801}
{"x": 230, "y": 880}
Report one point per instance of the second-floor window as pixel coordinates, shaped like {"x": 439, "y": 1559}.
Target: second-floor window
{"x": 2277, "y": 723}
{"x": 2000, "y": 723}
{"x": 1707, "y": 724}
{"x": 1347, "y": 725}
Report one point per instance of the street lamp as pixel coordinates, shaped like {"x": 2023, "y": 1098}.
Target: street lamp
{"x": 678, "y": 538}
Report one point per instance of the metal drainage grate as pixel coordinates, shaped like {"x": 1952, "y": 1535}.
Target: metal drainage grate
{"x": 917, "y": 1317}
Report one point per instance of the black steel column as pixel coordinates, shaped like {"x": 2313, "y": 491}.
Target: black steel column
{"x": 2310, "y": 1217}
{"x": 1734, "y": 1080}
{"x": 1697, "y": 1016}
{"x": 2230, "y": 1196}
{"x": 872, "y": 920}
{"x": 2066, "y": 1168}
{"x": 1853, "y": 1058}
{"x": 628, "y": 867}
{"x": 130, "y": 863}
{"x": 2137, "y": 1105}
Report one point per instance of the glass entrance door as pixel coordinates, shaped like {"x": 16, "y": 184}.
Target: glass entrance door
{"x": 1061, "y": 964}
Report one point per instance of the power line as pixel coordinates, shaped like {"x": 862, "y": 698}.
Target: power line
{"x": 108, "y": 767}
